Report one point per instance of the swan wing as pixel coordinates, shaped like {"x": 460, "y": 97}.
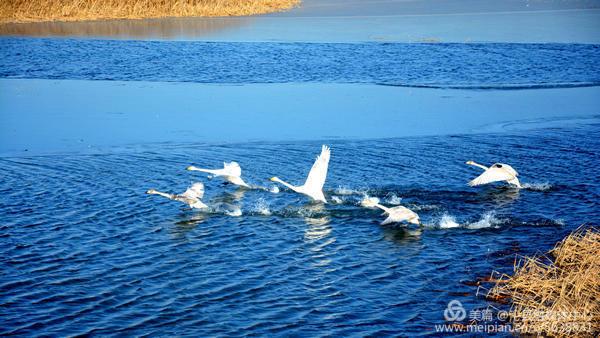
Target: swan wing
{"x": 318, "y": 173}
{"x": 196, "y": 191}
{"x": 493, "y": 174}
{"x": 231, "y": 169}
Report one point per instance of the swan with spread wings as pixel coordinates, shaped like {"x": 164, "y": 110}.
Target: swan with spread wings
{"x": 498, "y": 172}
{"x": 313, "y": 187}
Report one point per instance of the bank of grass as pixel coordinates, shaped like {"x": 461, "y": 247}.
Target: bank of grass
{"x": 79, "y": 10}
{"x": 557, "y": 294}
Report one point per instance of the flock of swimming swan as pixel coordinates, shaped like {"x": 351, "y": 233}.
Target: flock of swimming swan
{"x": 313, "y": 186}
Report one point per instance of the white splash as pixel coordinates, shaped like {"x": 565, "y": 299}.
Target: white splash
{"x": 488, "y": 219}
{"x": 369, "y": 202}
{"x": 393, "y": 199}
{"x": 340, "y": 190}
{"x": 262, "y": 207}
{"x": 274, "y": 189}
{"x": 415, "y": 207}
{"x": 537, "y": 186}
{"x": 448, "y": 221}
{"x": 237, "y": 212}
{"x": 337, "y": 200}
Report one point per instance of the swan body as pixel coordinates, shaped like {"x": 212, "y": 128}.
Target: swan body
{"x": 496, "y": 173}
{"x": 313, "y": 187}
{"x": 231, "y": 172}
{"x": 192, "y": 196}
{"x": 395, "y": 215}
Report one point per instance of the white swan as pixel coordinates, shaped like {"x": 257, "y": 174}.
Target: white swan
{"x": 496, "y": 173}
{"x": 313, "y": 187}
{"x": 191, "y": 196}
{"x": 395, "y": 215}
{"x": 231, "y": 172}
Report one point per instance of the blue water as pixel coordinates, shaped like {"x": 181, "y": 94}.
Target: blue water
{"x": 473, "y": 65}
{"x": 84, "y": 251}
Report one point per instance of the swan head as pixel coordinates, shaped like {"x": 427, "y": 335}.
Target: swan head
{"x": 191, "y": 168}
{"x": 470, "y": 162}
{"x": 274, "y": 179}
{"x": 151, "y": 192}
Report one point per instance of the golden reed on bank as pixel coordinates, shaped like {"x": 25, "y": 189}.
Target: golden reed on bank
{"x": 557, "y": 294}
{"x": 77, "y": 10}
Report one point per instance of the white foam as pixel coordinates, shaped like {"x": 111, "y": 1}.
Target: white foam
{"x": 262, "y": 207}
{"x": 274, "y": 189}
{"x": 537, "y": 186}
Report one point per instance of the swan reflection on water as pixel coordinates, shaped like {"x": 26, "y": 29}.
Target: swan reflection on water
{"x": 315, "y": 216}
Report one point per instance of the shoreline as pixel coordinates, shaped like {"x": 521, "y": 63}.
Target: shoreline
{"x": 37, "y": 11}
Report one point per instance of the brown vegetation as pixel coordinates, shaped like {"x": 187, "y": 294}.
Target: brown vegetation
{"x": 558, "y": 295}
{"x": 76, "y": 10}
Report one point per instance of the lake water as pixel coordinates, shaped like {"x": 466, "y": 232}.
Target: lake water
{"x": 85, "y": 251}
{"x": 474, "y": 65}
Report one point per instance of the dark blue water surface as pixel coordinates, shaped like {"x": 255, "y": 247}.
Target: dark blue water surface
{"x": 85, "y": 251}
{"x": 473, "y": 65}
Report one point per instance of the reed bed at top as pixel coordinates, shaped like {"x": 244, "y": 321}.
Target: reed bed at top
{"x": 557, "y": 294}
{"x": 78, "y": 10}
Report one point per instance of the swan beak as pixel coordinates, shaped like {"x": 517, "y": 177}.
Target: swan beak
{"x": 272, "y": 179}
{"x": 190, "y": 168}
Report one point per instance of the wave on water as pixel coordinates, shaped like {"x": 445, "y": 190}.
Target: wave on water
{"x": 274, "y": 189}
{"x": 497, "y": 86}
{"x": 537, "y": 186}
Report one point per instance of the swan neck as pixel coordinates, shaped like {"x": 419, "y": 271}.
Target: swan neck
{"x": 386, "y": 209}
{"x": 287, "y": 184}
{"x": 163, "y": 194}
{"x": 480, "y": 166}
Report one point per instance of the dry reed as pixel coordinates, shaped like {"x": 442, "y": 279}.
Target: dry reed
{"x": 556, "y": 295}
{"x": 77, "y": 10}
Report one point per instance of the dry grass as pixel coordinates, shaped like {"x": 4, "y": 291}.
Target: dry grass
{"x": 559, "y": 294}
{"x": 76, "y": 10}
